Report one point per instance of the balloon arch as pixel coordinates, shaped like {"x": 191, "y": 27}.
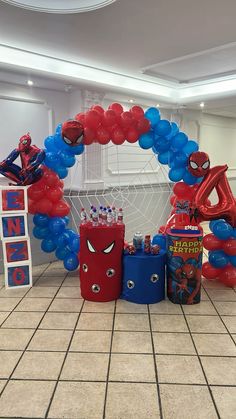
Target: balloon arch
{"x": 189, "y": 169}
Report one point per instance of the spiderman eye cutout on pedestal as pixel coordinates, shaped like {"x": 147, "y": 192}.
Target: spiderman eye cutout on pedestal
{"x": 199, "y": 164}
{"x": 107, "y": 250}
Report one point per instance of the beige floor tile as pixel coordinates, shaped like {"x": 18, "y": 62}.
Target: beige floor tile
{"x": 8, "y": 304}
{"x": 205, "y": 324}
{"x": 78, "y": 400}
{"x": 234, "y": 338}
{"x": 126, "y": 307}
{"x": 132, "y": 368}
{"x": 222, "y": 294}
{"x": 94, "y": 307}
{"x": 225, "y": 398}
{"x": 59, "y": 321}
{"x": 165, "y": 307}
{"x": 12, "y": 339}
{"x": 58, "y": 264}
{"x": 50, "y": 281}
{"x": 54, "y": 272}
{"x": 3, "y": 316}
{"x": 213, "y": 284}
{"x": 8, "y": 360}
{"x": 69, "y": 292}
{"x": 204, "y": 307}
{"x": 179, "y": 369}
{"x": 71, "y": 282}
{"x": 132, "y": 322}
{"x": 165, "y": 323}
{"x": 39, "y": 292}
{"x": 86, "y": 367}
{"x": 219, "y": 370}
{"x": 91, "y": 341}
{"x": 94, "y": 321}
{"x": 50, "y": 340}
{"x": 185, "y": 402}
{"x": 173, "y": 343}
{"x": 204, "y": 296}
{"x": 69, "y": 305}
{"x": 13, "y": 293}
{"x": 34, "y": 304}
{"x": 132, "y": 401}
{"x": 226, "y": 309}
{"x": 230, "y": 322}
{"x": 2, "y": 384}
{"x": 132, "y": 342}
{"x": 39, "y": 365}
{"x": 26, "y": 398}
{"x": 208, "y": 344}
{"x": 23, "y": 320}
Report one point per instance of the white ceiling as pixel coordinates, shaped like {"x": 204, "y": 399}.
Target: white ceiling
{"x": 133, "y": 46}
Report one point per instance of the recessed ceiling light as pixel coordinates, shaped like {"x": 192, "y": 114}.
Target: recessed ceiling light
{"x": 30, "y": 82}
{"x": 202, "y": 104}
{"x": 131, "y": 100}
{"x": 158, "y": 105}
{"x": 59, "y": 6}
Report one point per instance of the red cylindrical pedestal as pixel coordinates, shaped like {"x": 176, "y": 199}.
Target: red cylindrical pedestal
{"x": 101, "y": 249}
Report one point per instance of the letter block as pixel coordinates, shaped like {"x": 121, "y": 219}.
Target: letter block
{"x": 13, "y": 200}
{"x": 16, "y": 251}
{"x": 18, "y": 275}
{"x": 13, "y": 226}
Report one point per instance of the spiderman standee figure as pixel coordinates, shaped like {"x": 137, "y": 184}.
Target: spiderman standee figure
{"x": 31, "y": 158}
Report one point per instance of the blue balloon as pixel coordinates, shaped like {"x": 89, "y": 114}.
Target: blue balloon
{"x": 146, "y": 141}
{"x": 78, "y": 149}
{"x": 163, "y": 128}
{"x": 163, "y": 158}
{"x": 62, "y": 253}
{"x": 58, "y": 129}
{"x": 71, "y": 233}
{"x": 50, "y": 143}
{"x": 213, "y": 222}
{"x": 71, "y": 262}
{"x": 189, "y": 179}
{"x": 41, "y": 220}
{"x": 180, "y": 159}
{"x": 74, "y": 244}
{"x": 58, "y": 140}
{"x": 174, "y": 128}
{"x": 162, "y": 144}
{"x": 222, "y": 230}
{"x": 190, "y": 147}
{"x": 62, "y": 240}
{"x": 67, "y": 159}
{"x": 66, "y": 219}
{"x": 57, "y": 225}
{"x": 234, "y": 233}
{"x": 176, "y": 175}
{"x": 232, "y": 260}
{"x": 218, "y": 259}
{"x": 160, "y": 239}
{"x": 62, "y": 172}
{"x": 40, "y": 232}
{"x": 51, "y": 159}
{"x": 48, "y": 245}
{"x": 179, "y": 141}
{"x": 153, "y": 115}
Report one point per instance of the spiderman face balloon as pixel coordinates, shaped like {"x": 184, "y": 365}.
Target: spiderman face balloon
{"x": 25, "y": 142}
{"x": 199, "y": 164}
{"x": 72, "y": 133}
{"x": 101, "y": 250}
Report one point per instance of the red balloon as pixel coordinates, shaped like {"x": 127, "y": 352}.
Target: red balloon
{"x": 89, "y": 136}
{"x": 118, "y": 136}
{"x": 229, "y": 247}
{"x": 50, "y": 178}
{"x": 60, "y": 184}
{"x": 109, "y": 118}
{"x": 162, "y": 229}
{"x": 60, "y": 209}
{"x": 143, "y": 125}
{"x": 44, "y": 206}
{"x": 228, "y": 276}
{"x": 173, "y": 200}
{"x": 54, "y": 194}
{"x": 35, "y": 193}
{"x": 182, "y": 190}
{"x": 98, "y": 108}
{"x": 209, "y": 272}
{"x": 117, "y": 108}
{"x": 137, "y": 112}
{"x": 132, "y": 135}
{"x": 126, "y": 119}
{"x": 211, "y": 242}
{"x": 32, "y": 206}
{"x": 103, "y": 135}
{"x": 92, "y": 119}
{"x": 80, "y": 117}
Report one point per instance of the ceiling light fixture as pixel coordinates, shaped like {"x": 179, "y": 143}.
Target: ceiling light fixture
{"x": 202, "y": 104}
{"x": 158, "y": 105}
{"x": 59, "y": 6}
{"x": 30, "y": 82}
{"x": 131, "y": 100}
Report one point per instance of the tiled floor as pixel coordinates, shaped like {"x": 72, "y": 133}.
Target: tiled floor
{"x": 63, "y": 357}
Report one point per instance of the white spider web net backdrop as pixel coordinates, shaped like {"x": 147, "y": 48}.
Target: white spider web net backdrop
{"x": 125, "y": 176}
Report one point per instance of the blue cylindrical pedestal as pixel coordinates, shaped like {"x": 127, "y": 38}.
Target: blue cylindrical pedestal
{"x": 144, "y": 278}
